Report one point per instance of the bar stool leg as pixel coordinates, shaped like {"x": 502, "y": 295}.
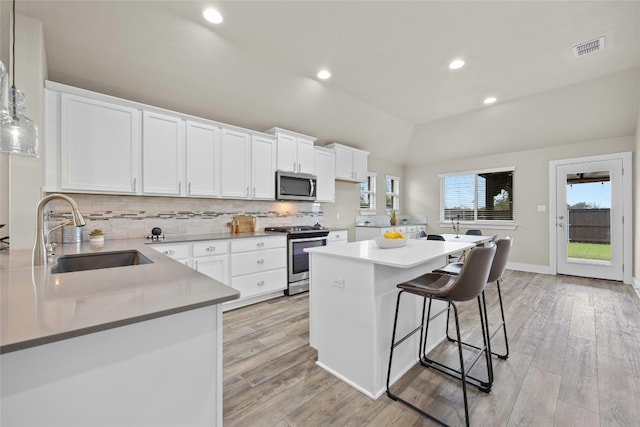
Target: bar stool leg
{"x": 484, "y": 386}
{"x": 502, "y": 325}
{"x": 425, "y": 326}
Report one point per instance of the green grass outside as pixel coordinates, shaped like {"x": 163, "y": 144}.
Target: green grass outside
{"x": 597, "y": 251}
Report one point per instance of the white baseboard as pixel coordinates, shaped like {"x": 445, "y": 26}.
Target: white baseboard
{"x": 531, "y": 268}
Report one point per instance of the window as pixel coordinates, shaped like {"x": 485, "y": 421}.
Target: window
{"x": 392, "y": 192}
{"x": 477, "y": 196}
{"x": 368, "y": 195}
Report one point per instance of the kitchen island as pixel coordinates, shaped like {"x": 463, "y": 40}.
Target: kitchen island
{"x": 352, "y": 299}
{"x": 136, "y": 345}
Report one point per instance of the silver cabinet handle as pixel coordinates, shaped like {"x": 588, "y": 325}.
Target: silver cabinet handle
{"x": 260, "y": 244}
{"x": 134, "y": 184}
{"x": 260, "y": 261}
{"x": 260, "y": 283}
{"x": 189, "y": 187}
{"x": 169, "y": 252}
{"x": 247, "y": 191}
{"x": 179, "y": 187}
{"x": 211, "y": 248}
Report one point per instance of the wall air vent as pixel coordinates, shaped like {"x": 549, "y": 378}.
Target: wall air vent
{"x": 588, "y": 47}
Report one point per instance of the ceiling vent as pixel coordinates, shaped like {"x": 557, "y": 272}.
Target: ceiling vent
{"x": 589, "y": 47}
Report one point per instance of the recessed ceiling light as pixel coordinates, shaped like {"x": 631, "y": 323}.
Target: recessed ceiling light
{"x": 456, "y": 64}
{"x": 212, "y": 16}
{"x": 490, "y": 100}
{"x": 323, "y": 74}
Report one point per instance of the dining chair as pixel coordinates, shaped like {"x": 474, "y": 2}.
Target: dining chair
{"x": 466, "y": 286}
{"x": 434, "y": 237}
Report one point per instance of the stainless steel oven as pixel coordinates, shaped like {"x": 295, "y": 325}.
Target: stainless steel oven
{"x": 298, "y": 239}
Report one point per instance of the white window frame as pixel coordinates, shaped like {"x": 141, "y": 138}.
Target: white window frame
{"x": 489, "y": 224}
{"x": 371, "y": 178}
{"x": 394, "y": 195}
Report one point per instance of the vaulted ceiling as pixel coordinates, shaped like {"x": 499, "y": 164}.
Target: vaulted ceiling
{"x": 391, "y": 91}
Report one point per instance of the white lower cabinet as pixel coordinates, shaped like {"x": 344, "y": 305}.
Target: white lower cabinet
{"x": 257, "y": 267}
{"x": 211, "y": 258}
{"x": 338, "y": 236}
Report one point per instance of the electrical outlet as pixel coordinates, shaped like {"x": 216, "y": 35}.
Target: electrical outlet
{"x": 337, "y": 216}
{"x": 542, "y": 208}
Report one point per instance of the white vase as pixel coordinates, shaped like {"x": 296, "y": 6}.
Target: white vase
{"x": 96, "y": 240}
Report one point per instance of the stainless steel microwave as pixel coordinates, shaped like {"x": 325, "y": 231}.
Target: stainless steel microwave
{"x": 295, "y": 186}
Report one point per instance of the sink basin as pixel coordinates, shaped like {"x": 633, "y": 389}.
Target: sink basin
{"x": 81, "y": 262}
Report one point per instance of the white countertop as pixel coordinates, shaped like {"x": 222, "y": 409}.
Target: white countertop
{"x": 414, "y": 253}
{"x": 39, "y": 307}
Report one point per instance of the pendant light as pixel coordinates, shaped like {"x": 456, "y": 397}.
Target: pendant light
{"x": 19, "y": 134}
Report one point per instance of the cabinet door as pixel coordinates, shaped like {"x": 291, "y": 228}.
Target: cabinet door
{"x": 236, "y": 151}
{"x": 162, "y": 154}
{"x": 344, "y": 163}
{"x": 215, "y": 267}
{"x": 325, "y": 165}
{"x": 100, "y": 145}
{"x": 286, "y": 153}
{"x": 203, "y": 155}
{"x": 359, "y": 165}
{"x": 262, "y": 168}
{"x": 306, "y": 156}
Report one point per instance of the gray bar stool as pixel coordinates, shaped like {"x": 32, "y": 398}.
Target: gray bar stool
{"x": 503, "y": 247}
{"x": 467, "y": 285}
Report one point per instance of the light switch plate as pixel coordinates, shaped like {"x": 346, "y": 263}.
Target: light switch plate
{"x": 542, "y": 208}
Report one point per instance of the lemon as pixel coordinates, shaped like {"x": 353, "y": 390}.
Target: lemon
{"x": 393, "y": 235}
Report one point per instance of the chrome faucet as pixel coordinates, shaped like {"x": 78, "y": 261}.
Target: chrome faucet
{"x": 40, "y": 246}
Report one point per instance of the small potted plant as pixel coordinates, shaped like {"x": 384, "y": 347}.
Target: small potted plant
{"x": 96, "y": 236}
{"x": 393, "y": 220}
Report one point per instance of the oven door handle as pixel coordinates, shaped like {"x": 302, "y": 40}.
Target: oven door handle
{"x": 312, "y": 186}
{"x": 309, "y": 239}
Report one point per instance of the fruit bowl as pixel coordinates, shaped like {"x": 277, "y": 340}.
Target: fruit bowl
{"x": 384, "y": 243}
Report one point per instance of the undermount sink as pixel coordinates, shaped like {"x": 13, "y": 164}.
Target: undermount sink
{"x": 82, "y": 262}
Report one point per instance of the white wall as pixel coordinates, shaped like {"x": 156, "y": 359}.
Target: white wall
{"x": 531, "y": 189}
{"x": 342, "y": 213}
{"x": 636, "y": 207}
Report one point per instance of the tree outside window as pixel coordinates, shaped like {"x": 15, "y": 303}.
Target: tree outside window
{"x": 368, "y": 194}
{"x": 392, "y": 190}
{"x": 481, "y": 196}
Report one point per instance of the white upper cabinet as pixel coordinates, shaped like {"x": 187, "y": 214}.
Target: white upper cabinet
{"x": 236, "y": 164}
{"x": 263, "y": 159}
{"x": 99, "y": 145}
{"x": 295, "y": 151}
{"x": 325, "y": 165}
{"x": 203, "y": 159}
{"x": 351, "y": 163}
{"x": 248, "y": 165}
{"x": 162, "y": 154}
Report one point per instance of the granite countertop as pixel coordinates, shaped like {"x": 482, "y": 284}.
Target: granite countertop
{"x": 39, "y": 307}
{"x": 388, "y": 225}
{"x": 187, "y": 238}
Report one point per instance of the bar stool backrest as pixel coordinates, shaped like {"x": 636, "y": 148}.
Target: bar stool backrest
{"x": 503, "y": 247}
{"x": 473, "y": 232}
{"x": 435, "y": 237}
{"x": 473, "y": 276}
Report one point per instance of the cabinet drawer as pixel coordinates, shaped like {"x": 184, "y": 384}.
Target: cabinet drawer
{"x": 260, "y": 243}
{"x": 173, "y": 251}
{"x": 258, "y": 283}
{"x": 212, "y": 247}
{"x": 337, "y": 236}
{"x": 253, "y": 262}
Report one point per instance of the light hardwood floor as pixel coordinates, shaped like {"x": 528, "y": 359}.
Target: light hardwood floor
{"x": 574, "y": 361}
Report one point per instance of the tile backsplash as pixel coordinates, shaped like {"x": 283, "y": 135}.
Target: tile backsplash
{"x": 121, "y": 217}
